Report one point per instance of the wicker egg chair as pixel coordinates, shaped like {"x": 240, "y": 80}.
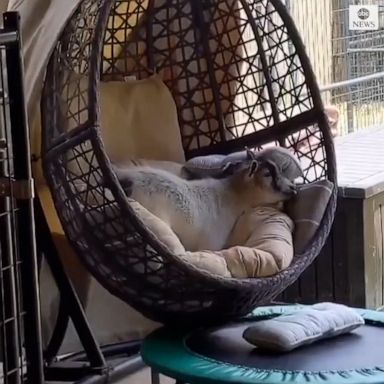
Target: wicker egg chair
{"x": 266, "y": 66}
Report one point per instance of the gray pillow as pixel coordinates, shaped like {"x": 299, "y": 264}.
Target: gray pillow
{"x": 212, "y": 165}
{"x": 307, "y": 209}
{"x": 287, "y": 332}
{"x": 218, "y": 165}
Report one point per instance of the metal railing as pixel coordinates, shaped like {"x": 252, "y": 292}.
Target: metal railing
{"x": 351, "y": 62}
{"x": 359, "y": 100}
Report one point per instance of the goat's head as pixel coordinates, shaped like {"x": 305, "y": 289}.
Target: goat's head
{"x": 266, "y": 179}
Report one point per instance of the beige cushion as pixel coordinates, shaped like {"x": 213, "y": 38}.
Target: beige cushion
{"x": 261, "y": 243}
{"x": 307, "y": 210}
{"x": 139, "y": 120}
{"x": 159, "y": 228}
{"x": 263, "y": 239}
{"x": 170, "y": 166}
{"x": 208, "y": 261}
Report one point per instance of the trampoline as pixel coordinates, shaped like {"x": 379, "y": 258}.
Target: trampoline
{"x": 220, "y": 354}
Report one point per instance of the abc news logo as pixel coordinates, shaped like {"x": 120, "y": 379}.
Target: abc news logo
{"x": 363, "y": 18}
{"x": 363, "y": 13}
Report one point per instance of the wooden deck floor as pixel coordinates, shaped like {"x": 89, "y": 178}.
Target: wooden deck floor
{"x": 360, "y": 163}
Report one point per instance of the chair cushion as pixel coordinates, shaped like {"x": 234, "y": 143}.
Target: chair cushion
{"x": 260, "y": 245}
{"x": 129, "y": 130}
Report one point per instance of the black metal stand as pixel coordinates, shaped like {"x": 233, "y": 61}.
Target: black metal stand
{"x": 91, "y": 365}
{"x": 70, "y": 303}
{"x": 19, "y": 191}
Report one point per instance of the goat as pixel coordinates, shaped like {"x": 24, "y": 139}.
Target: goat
{"x": 202, "y": 212}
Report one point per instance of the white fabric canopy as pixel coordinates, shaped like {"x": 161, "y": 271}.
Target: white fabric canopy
{"x": 41, "y": 24}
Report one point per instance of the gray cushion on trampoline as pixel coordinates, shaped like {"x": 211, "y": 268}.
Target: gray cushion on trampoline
{"x": 287, "y": 332}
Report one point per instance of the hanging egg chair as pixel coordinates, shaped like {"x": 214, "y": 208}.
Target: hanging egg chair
{"x": 239, "y": 76}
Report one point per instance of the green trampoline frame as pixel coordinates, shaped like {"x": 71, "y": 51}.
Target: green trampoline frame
{"x": 165, "y": 351}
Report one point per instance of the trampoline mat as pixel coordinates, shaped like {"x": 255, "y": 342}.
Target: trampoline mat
{"x": 361, "y": 349}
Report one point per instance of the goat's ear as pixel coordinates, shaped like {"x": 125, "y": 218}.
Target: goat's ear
{"x": 250, "y": 154}
{"x": 253, "y": 167}
{"x": 231, "y": 168}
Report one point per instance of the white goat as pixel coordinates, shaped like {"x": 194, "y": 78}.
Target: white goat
{"x": 202, "y": 212}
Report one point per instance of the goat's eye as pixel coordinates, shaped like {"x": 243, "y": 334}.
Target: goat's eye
{"x": 267, "y": 174}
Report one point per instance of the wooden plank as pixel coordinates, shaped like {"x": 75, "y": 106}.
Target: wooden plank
{"x": 340, "y": 253}
{"x": 373, "y": 251}
{"x": 325, "y": 272}
{"x": 382, "y": 251}
{"x": 351, "y": 248}
{"x": 308, "y": 286}
{"x": 360, "y": 163}
{"x": 292, "y": 294}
